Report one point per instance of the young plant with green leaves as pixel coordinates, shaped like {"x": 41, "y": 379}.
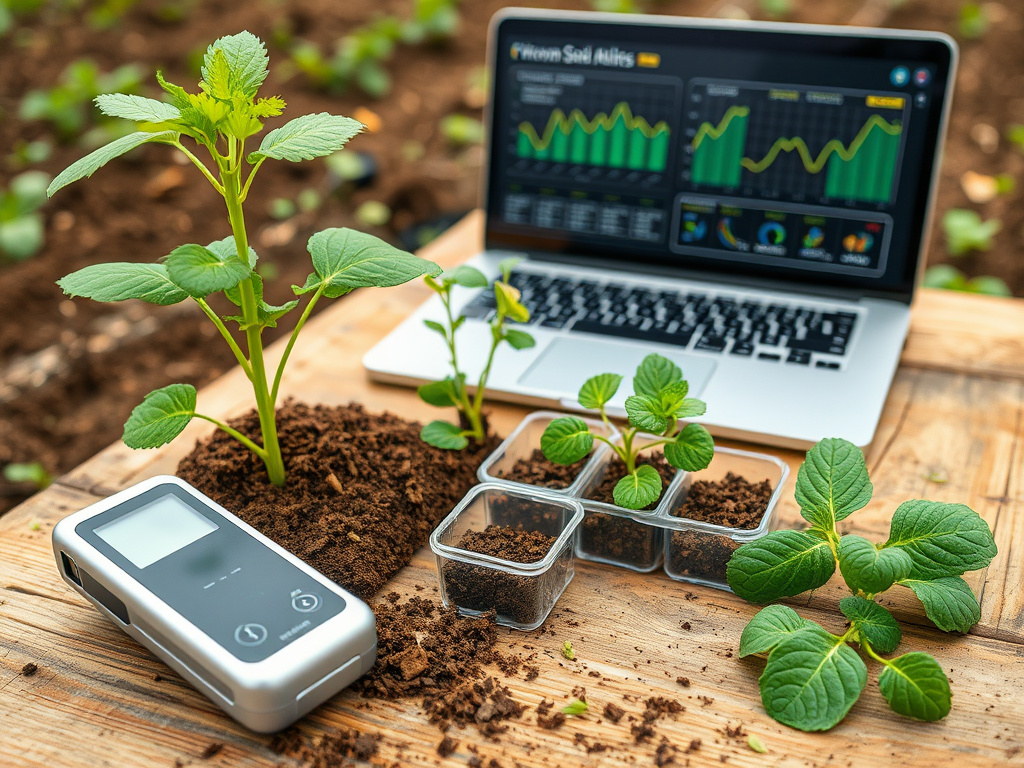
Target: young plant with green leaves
{"x": 658, "y": 406}
{"x": 220, "y": 119}
{"x": 452, "y": 392}
{"x": 965, "y": 231}
{"x": 952, "y": 279}
{"x": 813, "y": 677}
{"x": 21, "y": 224}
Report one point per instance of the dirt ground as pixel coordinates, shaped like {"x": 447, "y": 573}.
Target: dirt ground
{"x": 78, "y": 367}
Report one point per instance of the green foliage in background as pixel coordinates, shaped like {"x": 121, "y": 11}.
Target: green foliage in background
{"x": 21, "y": 225}
{"x": 952, "y": 279}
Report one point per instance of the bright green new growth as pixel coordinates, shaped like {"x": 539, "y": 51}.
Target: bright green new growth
{"x": 813, "y": 677}
{"x": 966, "y": 232}
{"x": 21, "y": 224}
{"x": 657, "y": 406}
{"x": 452, "y": 391}
{"x": 220, "y": 119}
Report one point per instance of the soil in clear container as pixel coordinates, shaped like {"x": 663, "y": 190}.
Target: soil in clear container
{"x": 485, "y": 588}
{"x": 537, "y": 470}
{"x": 616, "y": 470}
{"x": 733, "y": 502}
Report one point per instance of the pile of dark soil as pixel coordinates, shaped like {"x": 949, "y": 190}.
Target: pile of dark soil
{"x": 483, "y": 703}
{"x": 508, "y": 543}
{"x": 733, "y": 502}
{"x": 363, "y": 490}
{"x": 331, "y": 750}
{"x": 539, "y": 471}
{"x": 617, "y": 470}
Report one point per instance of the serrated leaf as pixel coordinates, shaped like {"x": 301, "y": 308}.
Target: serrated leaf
{"x": 246, "y": 60}
{"x": 199, "y": 271}
{"x": 566, "y": 440}
{"x": 441, "y": 394}
{"x": 121, "y": 281}
{"x": 781, "y": 564}
{"x": 599, "y": 390}
{"x": 948, "y": 601}
{"x": 160, "y": 417}
{"x": 137, "y": 108}
{"x": 691, "y": 407}
{"x": 226, "y": 249}
{"x": 811, "y": 680}
{"x": 769, "y": 627}
{"x": 654, "y": 374}
{"x": 467, "y": 277}
{"x": 832, "y": 483}
{"x": 307, "y": 137}
{"x": 441, "y": 434}
{"x": 692, "y": 450}
{"x": 672, "y": 397}
{"x": 915, "y": 686}
{"x": 869, "y": 569}
{"x": 507, "y": 299}
{"x": 92, "y": 162}
{"x": 941, "y": 539}
{"x": 645, "y": 413}
{"x": 179, "y": 97}
{"x": 876, "y": 623}
{"x": 519, "y": 339}
{"x": 639, "y": 489}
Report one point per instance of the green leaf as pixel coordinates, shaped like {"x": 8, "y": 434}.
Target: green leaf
{"x": 566, "y": 440}
{"x": 437, "y": 327}
{"x": 645, "y": 413}
{"x": 915, "y": 686}
{"x": 692, "y": 450}
{"x": 92, "y": 162}
{"x": 505, "y": 266}
{"x": 873, "y": 621}
{"x": 199, "y": 271}
{"x": 121, "y": 281}
{"x": 439, "y": 393}
{"x": 267, "y": 315}
{"x": 575, "y": 708}
{"x": 246, "y": 60}
{"x": 691, "y": 407}
{"x": 781, "y": 564}
{"x": 507, "y": 299}
{"x": 639, "y": 489}
{"x": 160, "y": 417}
{"x": 467, "y": 277}
{"x": 598, "y": 390}
{"x": 672, "y": 397}
{"x": 307, "y": 137}
{"x": 966, "y": 232}
{"x": 345, "y": 259}
{"x": 654, "y": 374}
{"x": 941, "y": 539}
{"x": 832, "y": 483}
{"x": 869, "y": 569}
{"x": 811, "y": 680}
{"x": 948, "y": 601}
{"x": 769, "y": 627}
{"x": 226, "y": 250}
{"x": 137, "y": 108}
{"x": 33, "y": 472}
{"x": 179, "y": 97}
{"x": 519, "y": 339}
{"x": 441, "y": 434}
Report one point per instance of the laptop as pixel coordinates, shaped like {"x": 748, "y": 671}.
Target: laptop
{"x": 751, "y": 200}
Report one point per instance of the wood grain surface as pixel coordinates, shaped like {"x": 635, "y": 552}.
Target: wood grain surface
{"x": 99, "y": 699}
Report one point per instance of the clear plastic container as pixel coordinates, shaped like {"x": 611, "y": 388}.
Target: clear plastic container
{"x": 697, "y": 551}
{"x": 521, "y": 594}
{"x": 525, "y": 439}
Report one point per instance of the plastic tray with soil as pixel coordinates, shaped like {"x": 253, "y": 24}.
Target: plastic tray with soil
{"x": 506, "y": 551}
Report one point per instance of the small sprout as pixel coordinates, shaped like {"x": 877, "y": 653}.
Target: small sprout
{"x": 966, "y": 232}
{"x": 575, "y": 708}
{"x": 462, "y": 130}
{"x": 35, "y": 526}
{"x": 34, "y": 473}
{"x": 756, "y": 744}
{"x": 432, "y": 21}
{"x": 952, "y": 279}
{"x": 281, "y": 208}
{"x": 373, "y": 213}
{"x": 568, "y": 651}
{"x": 974, "y": 20}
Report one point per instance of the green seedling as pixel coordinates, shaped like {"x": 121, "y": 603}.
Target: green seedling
{"x": 966, "y": 232}
{"x": 452, "y": 391}
{"x": 757, "y": 745}
{"x": 568, "y": 651}
{"x": 25, "y": 153}
{"x": 813, "y": 677}
{"x": 34, "y": 473}
{"x": 462, "y": 130}
{"x": 68, "y": 106}
{"x": 952, "y": 279}
{"x": 358, "y": 60}
{"x": 974, "y": 21}
{"x": 657, "y": 406}
{"x": 21, "y": 224}
{"x": 575, "y": 708}
{"x": 220, "y": 119}
{"x": 432, "y": 21}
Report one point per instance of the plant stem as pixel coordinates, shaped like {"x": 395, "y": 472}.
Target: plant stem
{"x": 236, "y": 434}
{"x": 628, "y": 455}
{"x": 449, "y": 338}
{"x": 198, "y": 164}
{"x": 871, "y": 652}
{"x": 239, "y": 356}
{"x": 474, "y": 415}
{"x": 291, "y": 343}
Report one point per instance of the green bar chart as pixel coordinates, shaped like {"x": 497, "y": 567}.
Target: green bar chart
{"x": 865, "y": 172}
{"x": 718, "y": 150}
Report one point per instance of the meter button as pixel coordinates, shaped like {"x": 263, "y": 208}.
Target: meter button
{"x": 250, "y": 634}
{"x": 306, "y": 602}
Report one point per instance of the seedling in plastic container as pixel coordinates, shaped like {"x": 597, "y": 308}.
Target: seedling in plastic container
{"x": 813, "y": 677}
{"x": 658, "y": 406}
{"x": 220, "y": 119}
{"x": 452, "y": 391}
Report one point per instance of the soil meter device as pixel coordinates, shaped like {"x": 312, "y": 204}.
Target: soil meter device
{"x": 259, "y": 632}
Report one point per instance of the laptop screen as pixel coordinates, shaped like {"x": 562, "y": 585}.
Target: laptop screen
{"x": 796, "y": 156}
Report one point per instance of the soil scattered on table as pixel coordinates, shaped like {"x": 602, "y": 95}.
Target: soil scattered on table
{"x": 29, "y": 669}
{"x": 617, "y": 470}
{"x": 546, "y": 718}
{"x": 212, "y": 750}
{"x": 483, "y": 703}
{"x": 389, "y": 489}
{"x": 538, "y": 470}
{"x": 330, "y": 750}
{"x": 733, "y": 502}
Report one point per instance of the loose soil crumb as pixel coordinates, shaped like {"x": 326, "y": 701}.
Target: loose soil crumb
{"x": 665, "y": 754}
{"x": 613, "y": 712}
{"x": 29, "y": 669}
{"x": 656, "y": 707}
{"x": 330, "y": 750}
{"x": 394, "y": 488}
{"x": 547, "y": 720}
{"x": 694, "y": 745}
{"x": 447, "y": 746}
{"x": 617, "y": 470}
{"x": 539, "y": 471}
{"x": 211, "y": 751}
{"x": 683, "y": 681}
{"x": 486, "y": 704}
{"x": 733, "y": 502}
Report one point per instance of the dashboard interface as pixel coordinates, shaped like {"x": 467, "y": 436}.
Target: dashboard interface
{"x": 796, "y": 156}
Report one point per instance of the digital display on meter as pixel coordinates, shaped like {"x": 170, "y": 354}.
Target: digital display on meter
{"x": 155, "y": 530}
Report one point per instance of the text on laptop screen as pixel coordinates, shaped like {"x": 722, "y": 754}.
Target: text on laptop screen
{"x": 803, "y": 157}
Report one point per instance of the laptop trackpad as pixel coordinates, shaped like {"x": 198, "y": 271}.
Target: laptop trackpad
{"x": 566, "y": 363}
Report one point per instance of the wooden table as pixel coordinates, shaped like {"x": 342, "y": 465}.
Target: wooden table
{"x": 956, "y": 408}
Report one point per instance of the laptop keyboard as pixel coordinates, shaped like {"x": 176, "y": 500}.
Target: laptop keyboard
{"x": 693, "y": 320}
